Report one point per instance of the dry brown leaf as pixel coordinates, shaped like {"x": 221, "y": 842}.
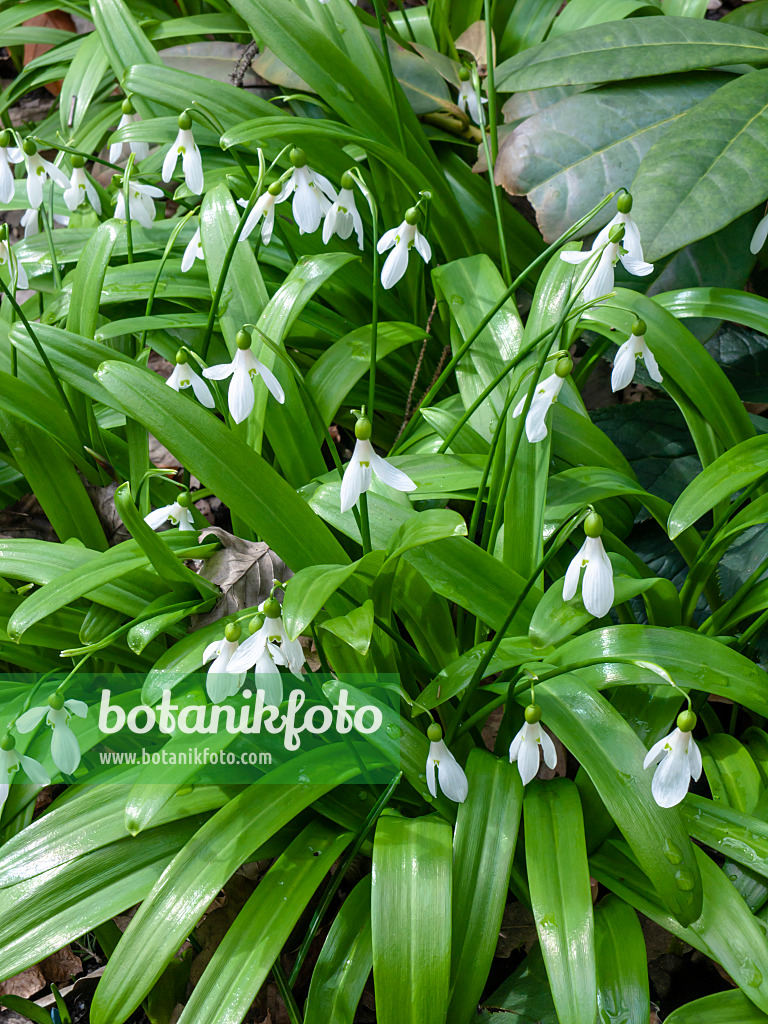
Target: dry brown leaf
{"x": 26, "y": 984}
{"x": 53, "y": 19}
{"x": 218, "y": 921}
{"x": 59, "y": 967}
{"x": 472, "y": 40}
{"x": 518, "y": 929}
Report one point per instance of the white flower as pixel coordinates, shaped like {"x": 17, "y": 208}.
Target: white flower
{"x": 270, "y": 643}
{"x": 10, "y": 762}
{"x": 242, "y": 369}
{"x": 450, "y": 775}
{"x": 7, "y": 255}
{"x": 184, "y": 376}
{"x": 221, "y": 681}
{"x": 80, "y": 189}
{"x": 38, "y": 171}
{"x": 467, "y": 101}
{"x": 544, "y": 396}
{"x": 601, "y": 281}
{"x": 758, "y": 239}
{"x": 526, "y": 747}
{"x": 263, "y": 207}
{"x": 357, "y": 475}
{"x": 631, "y": 240}
{"x": 679, "y": 761}
{"x": 342, "y": 217}
{"x": 193, "y": 251}
{"x": 597, "y": 585}
{"x": 403, "y": 238}
{"x": 8, "y": 155}
{"x": 139, "y": 149}
{"x": 65, "y": 750}
{"x": 31, "y": 223}
{"x": 179, "y": 515}
{"x": 191, "y": 161}
{"x": 312, "y": 197}
{"x": 634, "y": 348}
{"x": 140, "y": 203}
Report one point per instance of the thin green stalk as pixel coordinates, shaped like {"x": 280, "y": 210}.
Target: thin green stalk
{"x": 62, "y": 148}
{"x": 375, "y": 285}
{"x": 753, "y": 630}
{"x": 391, "y": 81}
{"x": 490, "y": 160}
{"x": 49, "y": 239}
{"x": 127, "y": 201}
{"x": 491, "y": 85}
{"x": 365, "y": 526}
{"x": 153, "y": 288}
{"x": 284, "y": 987}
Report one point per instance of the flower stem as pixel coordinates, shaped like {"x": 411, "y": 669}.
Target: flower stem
{"x": 365, "y": 526}
{"x": 375, "y": 285}
{"x": 127, "y": 201}
{"x": 49, "y": 238}
{"x": 491, "y": 85}
{"x": 391, "y": 81}
{"x": 285, "y": 991}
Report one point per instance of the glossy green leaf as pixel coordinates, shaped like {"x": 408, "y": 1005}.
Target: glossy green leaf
{"x": 123, "y": 41}
{"x": 622, "y": 969}
{"x": 455, "y": 677}
{"x": 82, "y": 81}
{"x": 581, "y": 13}
{"x": 722, "y": 1008}
{"x": 731, "y": 772}
{"x": 28, "y": 1009}
{"x": 740, "y": 837}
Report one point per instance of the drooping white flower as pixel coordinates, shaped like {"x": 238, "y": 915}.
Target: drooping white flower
{"x": 343, "y": 217}
{"x": 597, "y": 585}
{"x": 679, "y": 760}
{"x": 401, "y": 240}
{"x": 139, "y": 149}
{"x": 38, "y": 171}
{"x": 467, "y": 101}
{"x": 630, "y": 242}
{"x": 601, "y": 281}
{"x": 191, "y": 161}
{"x": 140, "y": 203}
{"x": 31, "y": 223}
{"x": 80, "y": 188}
{"x": 7, "y": 255}
{"x": 65, "y": 750}
{"x": 269, "y": 642}
{"x": 312, "y": 194}
{"x": 264, "y": 207}
{"x": 634, "y": 348}
{"x": 221, "y": 681}
{"x": 363, "y": 464}
{"x": 8, "y": 155}
{"x": 178, "y": 513}
{"x": 10, "y": 762}
{"x": 243, "y": 368}
{"x": 193, "y": 251}
{"x": 543, "y": 398}
{"x": 531, "y": 743}
{"x": 443, "y": 769}
{"x": 185, "y": 376}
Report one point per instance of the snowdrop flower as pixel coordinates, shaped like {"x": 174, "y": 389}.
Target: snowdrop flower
{"x": 597, "y": 586}
{"x": 7, "y": 255}
{"x": 758, "y": 239}
{"x": 264, "y": 207}
{"x": 543, "y": 398}
{"x": 184, "y": 376}
{"x": 242, "y": 369}
{"x": 141, "y": 204}
{"x": 38, "y": 170}
{"x": 139, "y": 149}
{"x": 178, "y": 513}
{"x": 531, "y": 742}
{"x": 601, "y": 281}
{"x": 80, "y": 188}
{"x": 65, "y": 750}
{"x": 404, "y": 237}
{"x": 467, "y": 100}
{"x": 269, "y": 641}
{"x": 312, "y": 194}
{"x": 678, "y": 759}
{"x": 10, "y": 762}
{"x": 193, "y": 251}
{"x": 631, "y": 240}
{"x": 8, "y": 155}
{"x": 441, "y": 763}
{"x": 362, "y": 465}
{"x": 343, "y": 216}
{"x": 222, "y": 682}
{"x": 634, "y": 348}
{"x": 191, "y": 161}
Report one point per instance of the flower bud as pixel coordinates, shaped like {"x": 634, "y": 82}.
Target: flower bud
{"x": 232, "y": 632}
{"x": 5, "y": 139}
{"x": 563, "y": 366}
{"x": 624, "y": 203}
{"x": 463, "y": 73}
{"x": 616, "y": 234}
{"x": 298, "y": 157}
{"x": 243, "y": 339}
{"x": 271, "y": 608}
{"x": 77, "y": 161}
{"x": 7, "y": 742}
{"x": 185, "y": 121}
{"x": 29, "y": 147}
{"x": 639, "y": 328}
{"x": 686, "y": 721}
{"x": 127, "y": 106}
{"x": 181, "y": 357}
{"x": 255, "y": 624}
{"x": 363, "y": 429}
{"x": 185, "y": 499}
{"x": 593, "y": 525}
{"x": 347, "y": 181}
{"x": 275, "y": 188}
{"x": 56, "y": 701}
{"x": 412, "y": 215}
{"x": 434, "y": 733}
{"x": 533, "y": 714}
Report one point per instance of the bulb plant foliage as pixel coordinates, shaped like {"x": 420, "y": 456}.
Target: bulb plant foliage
{"x": 381, "y": 372}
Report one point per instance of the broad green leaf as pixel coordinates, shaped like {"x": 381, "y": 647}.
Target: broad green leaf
{"x": 527, "y": 22}
{"x": 175, "y": 89}
{"x": 740, "y": 837}
{"x": 310, "y": 589}
{"x": 455, "y": 677}
{"x": 581, "y": 13}
{"x": 618, "y": 50}
{"x": 526, "y": 993}
{"x": 723, "y": 138}
{"x": 355, "y": 628}
{"x": 561, "y": 898}
{"x": 622, "y": 969}
{"x": 411, "y": 919}
{"x": 123, "y": 41}
{"x": 731, "y": 772}
{"x": 484, "y": 843}
{"x": 82, "y": 81}
{"x": 27, "y": 1009}
{"x": 345, "y": 961}
{"x": 722, "y": 1008}
{"x": 752, "y": 15}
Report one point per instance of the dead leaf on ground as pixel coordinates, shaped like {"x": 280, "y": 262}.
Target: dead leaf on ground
{"x": 60, "y": 966}
{"x": 26, "y": 984}
{"x": 217, "y": 923}
{"x": 472, "y": 40}
{"x": 518, "y": 929}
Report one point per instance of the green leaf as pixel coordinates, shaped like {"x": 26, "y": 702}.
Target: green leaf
{"x": 558, "y": 876}
{"x": 355, "y": 628}
{"x": 622, "y": 969}
{"x": 731, "y": 772}
{"x": 722, "y": 1008}
{"x": 310, "y": 589}
{"x": 174, "y": 89}
{"x": 344, "y": 963}
{"x": 740, "y": 837}
{"x": 484, "y": 843}
{"x": 26, "y": 1008}
{"x": 455, "y": 677}
{"x": 123, "y": 41}
{"x": 724, "y": 138}
{"x": 581, "y": 13}
{"x": 411, "y": 919}
{"x": 83, "y": 79}
{"x": 619, "y": 50}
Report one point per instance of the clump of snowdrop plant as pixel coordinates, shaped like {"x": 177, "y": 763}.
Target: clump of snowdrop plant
{"x": 363, "y": 464}
{"x": 65, "y": 749}
{"x": 443, "y": 770}
{"x": 544, "y": 397}
{"x": 597, "y": 582}
{"x": 531, "y": 744}
{"x": 243, "y": 369}
{"x": 678, "y": 759}
{"x": 39, "y": 170}
{"x": 625, "y": 363}
{"x": 401, "y": 240}
{"x": 607, "y": 254}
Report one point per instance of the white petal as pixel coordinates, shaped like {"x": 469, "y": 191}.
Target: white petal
{"x": 597, "y": 585}
{"x": 572, "y": 574}
{"x": 548, "y": 751}
{"x": 637, "y": 267}
{"x": 390, "y": 475}
{"x": 35, "y": 190}
{"x": 671, "y": 779}
{"x": 395, "y": 265}
{"x": 575, "y": 257}
{"x": 30, "y": 719}
{"x": 431, "y": 771}
{"x": 77, "y": 707}
{"x": 139, "y": 149}
{"x": 604, "y": 234}
{"x": 169, "y": 163}
{"x": 528, "y": 759}
{"x": 159, "y": 516}
{"x": 220, "y": 685}
{"x": 115, "y": 152}
{"x": 21, "y": 276}
{"x": 34, "y": 771}
{"x": 450, "y": 776}
{"x": 307, "y": 211}
{"x": 601, "y": 282}
{"x": 268, "y": 226}
{"x": 65, "y": 750}
{"x": 93, "y": 196}
{"x": 241, "y": 397}
{"x": 352, "y": 484}
{"x": 249, "y": 652}
{"x": 191, "y": 252}
{"x": 220, "y": 371}
{"x": 55, "y": 173}
{"x": 658, "y": 750}
{"x": 758, "y": 239}
{"x": 631, "y": 240}
{"x": 201, "y": 392}
{"x": 212, "y": 650}
{"x": 389, "y": 238}
{"x": 323, "y": 184}
{"x": 422, "y": 246}
{"x": 694, "y": 759}
{"x": 192, "y": 163}
{"x": 623, "y": 366}
{"x": 357, "y": 222}
{"x": 6, "y": 179}
{"x": 652, "y": 366}
{"x": 273, "y": 384}
{"x": 514, "y": 747}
